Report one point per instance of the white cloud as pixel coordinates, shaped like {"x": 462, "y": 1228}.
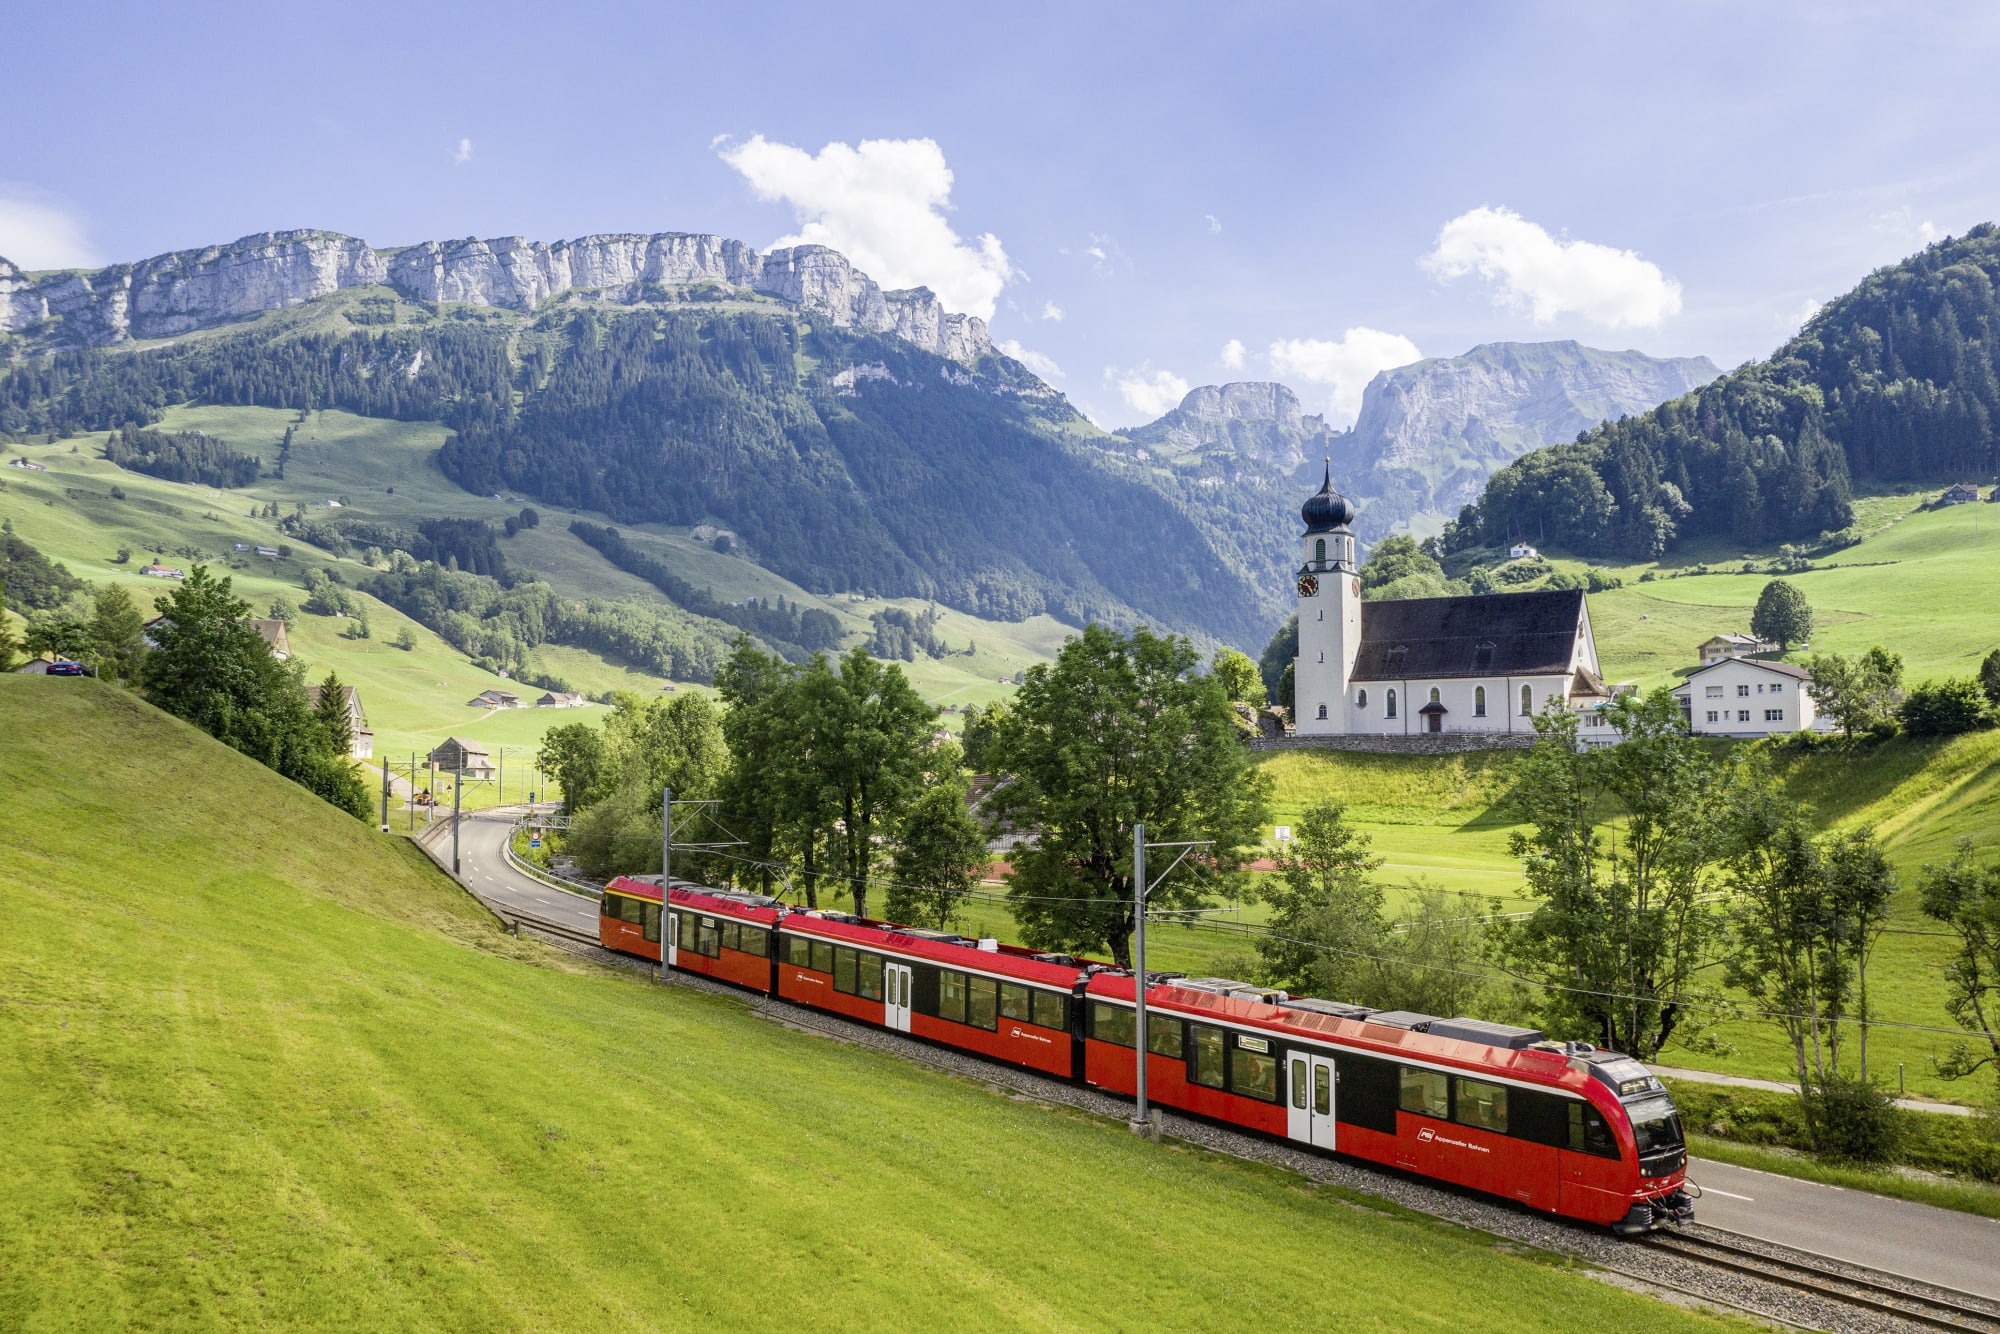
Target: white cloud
{"x": 1037, "y": 362}
{"x": 1344, "y": 367}
{"x": 1550, "y": 276}
{"x": 38, "y": 233}
{"x": 1147, "y": 391}
{"x": 464, "y": 153}
{"x": 1794, "y": 320}
{"x": 1051, "y": 311}
{"x": 1232, "y": 354}
{"x": 1902, "y": 223}
{"x": 882, "y": 204}
{"x": 1214, "y": 224}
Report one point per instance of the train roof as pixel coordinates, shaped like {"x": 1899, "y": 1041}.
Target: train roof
{"x": 950, "y": 951}
{"x": 703, "y": 898}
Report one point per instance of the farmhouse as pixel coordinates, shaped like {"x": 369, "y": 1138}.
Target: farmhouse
{"x": 462, "y": 757}
{"x": 561, "y": 699}
{"x": 363, "y": 745}
{"x": 1487, "y": 663}
{"x": 1746, "y": 697}
{"x": 276, "y": 635}
{"x": 29, "y": 464}
{"x": 1522, "y": 551}
{"x": 1962, "y": 494}
{"x": 1719, "y": 647}
{"x": 494, "y": 699}
{"x": 159, "y": 571}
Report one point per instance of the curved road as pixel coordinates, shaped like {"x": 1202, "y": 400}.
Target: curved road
{"x": 1919, "y": 1241}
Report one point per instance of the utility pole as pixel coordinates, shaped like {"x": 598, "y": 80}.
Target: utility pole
{"x": 385, "y": 794}
{"x": 666, "y": 869}
{"x": 503, "y": 777}
{"x": 457, "y": 786}
{"x": 413, "y": 792}
{"x": 1141, "y": 1121}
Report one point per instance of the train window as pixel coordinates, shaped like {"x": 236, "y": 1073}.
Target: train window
{"x": 798, "y": 951}
{"x": 1298, "y": 1082}
{"x": 651, "y": 926}
{"x": 1253, "y": 1074}
{"x": 1163, "y": 1035}
{"x": 1427, "y": 1093}
{"x": 1369, "y": 1090}
{"x": 1112, "y": 1023}
{"x": 687, "y": 931}
{"x": 711, "y": 938}
{"x": 868, "y": 977}
{"x": 1539, "y": 1118}
{"x": 628, "y": 910}
{"x": 729, "y": 935}
{"x": 1481, "y": 1105}
{"x": 753, "y": 940}
{"x": 982, "y": 1003}
{"x": 1322, "y": 1090}
{"x": 1014, "y": 1002}
{"x": 843, "y": 970}
{"x": 1049, "y": 1010}
{"x": 608, "y": 906}
{"x": 1588, "y": 1133}
{"x": 822, "y": 956}
{"x": 951, "y": 995}
{"x": 1207, "y": 1055}
{"x": 1656, "y": 1126}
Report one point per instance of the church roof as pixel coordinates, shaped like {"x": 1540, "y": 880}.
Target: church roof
{"x": 1486, "y": 634}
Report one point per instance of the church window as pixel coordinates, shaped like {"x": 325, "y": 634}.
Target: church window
{"x": 1389, "y": 703}
{"x": 1322, "y": 711}
{"x": 1479, "y": 701}
{"x": 1361, "y": 699}
{"x": 1434, "y": 694}
{"x": 1322, "y": 613}
{"x": 1527, "y": 701}
{"x": 1322, "y": 655}
{"x": 1319, "y": 552}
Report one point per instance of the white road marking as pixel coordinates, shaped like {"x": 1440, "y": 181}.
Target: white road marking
{"x": 1727, "y": 1194}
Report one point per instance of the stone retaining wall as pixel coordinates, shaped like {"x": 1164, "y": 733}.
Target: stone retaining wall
{"x": 1425, "y": 743}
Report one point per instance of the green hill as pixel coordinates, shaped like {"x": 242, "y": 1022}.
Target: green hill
{"x": 266, "y": 1067}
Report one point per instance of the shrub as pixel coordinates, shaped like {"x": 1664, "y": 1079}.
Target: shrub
{"x": 1600, "y": 582}
{"x": 1942, "y": 708}
{"x": 1853, "y": 1121}
{"x": 1523, "y": 571}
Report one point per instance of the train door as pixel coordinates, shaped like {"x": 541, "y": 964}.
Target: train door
{"x": 1309, "y": 1118}
{"x": 896, "y": 996}
{"x": 670, "y": 938}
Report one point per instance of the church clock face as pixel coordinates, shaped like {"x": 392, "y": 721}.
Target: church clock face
{"x": 1308, "y": 585}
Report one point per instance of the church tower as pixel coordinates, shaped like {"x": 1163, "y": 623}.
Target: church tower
{"x": 1329, "y": 587}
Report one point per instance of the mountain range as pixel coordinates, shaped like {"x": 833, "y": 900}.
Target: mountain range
{"x": 853, "y": 438}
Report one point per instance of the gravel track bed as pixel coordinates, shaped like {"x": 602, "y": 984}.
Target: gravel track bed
{"x": 1664, "y": 1274}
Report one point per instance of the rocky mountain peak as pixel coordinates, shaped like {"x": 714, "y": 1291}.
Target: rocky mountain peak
{"x": 1254, "y": 424}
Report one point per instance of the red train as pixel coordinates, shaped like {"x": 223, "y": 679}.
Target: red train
{"x": 1562, "y": 1128}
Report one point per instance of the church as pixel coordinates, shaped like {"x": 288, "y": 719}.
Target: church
{"x": 1485, "y": 663}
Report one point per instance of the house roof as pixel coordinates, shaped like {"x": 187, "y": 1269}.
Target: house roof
{"x": 1779, "y": 668}
{"x": 348, "y": 694}
{"x": 471, "y": 750}
{"x": 1484, "y": 634}
{"x": 1730, "y": 637}
{"x": 273, "y": 631}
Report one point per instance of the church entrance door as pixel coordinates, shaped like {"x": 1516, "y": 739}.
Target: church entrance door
{"x": 1436, "y": 722}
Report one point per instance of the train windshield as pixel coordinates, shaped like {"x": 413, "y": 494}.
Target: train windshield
{"x": 1656, "y": 1126}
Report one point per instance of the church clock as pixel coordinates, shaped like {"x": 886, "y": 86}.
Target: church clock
{"x": 1308, "y": 585}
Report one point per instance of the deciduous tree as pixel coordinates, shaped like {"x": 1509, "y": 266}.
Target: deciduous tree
{"x": 1782, "y": 615}
{"x": 940, "y": 853}
{"x": 1965, "y": 897}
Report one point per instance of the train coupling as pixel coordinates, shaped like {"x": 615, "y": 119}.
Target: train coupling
{"x": 1658, "y": 1212}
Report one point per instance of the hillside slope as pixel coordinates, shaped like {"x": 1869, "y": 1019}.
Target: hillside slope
{"x": 265, "y": 1067}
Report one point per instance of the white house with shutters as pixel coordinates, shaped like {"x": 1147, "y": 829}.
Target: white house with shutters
{"x": 1747, "y": 697}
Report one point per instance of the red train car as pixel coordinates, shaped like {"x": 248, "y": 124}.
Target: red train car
{"x": 1561, "y": 1128}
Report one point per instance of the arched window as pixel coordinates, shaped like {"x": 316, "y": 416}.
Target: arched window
{"x": 1479, "y": 701}
{"x": 1319, "y": 552}
{"x": 1322, "y": 711}
{"x": 1389, "y": 704}
{"x": 1361, "y": 699}
{"x": 1434, "y": 694}
{"x": 1527, "y": 702}
{"x": 1322, "y": 655}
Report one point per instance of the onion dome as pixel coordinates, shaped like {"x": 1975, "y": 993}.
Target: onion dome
{"x": 1326, "y": 509}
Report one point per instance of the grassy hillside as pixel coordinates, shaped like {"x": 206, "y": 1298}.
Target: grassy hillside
{"x": 266, "y": 1067}
{"x": 416, "y": 699}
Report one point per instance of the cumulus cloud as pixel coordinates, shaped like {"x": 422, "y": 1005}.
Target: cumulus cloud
{"x": 1903, "y": 224}
{"x": 1041, "y": 364}
{"x": 1550, "y": 276}
{"x": 36, "y": 232}
{"x": 464, "y": 153}
{"x": 1344, "y": 367}
{"x": 882, "y": 203}
{"x": 1214, "y": 224}
{"x": 1051, "y": 311}
{"x": 1231, "y": 355}
{"x": 1794, "y": 320}
{"x": 1147, "y": 391}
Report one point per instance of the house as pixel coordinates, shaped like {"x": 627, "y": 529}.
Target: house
{"x": 1718, "y": 647}
{"x": 1522, "y": 551}
{"x": 1746, "y": 697}
{"x": 242, "y": 546}
{"x": 363, "y": 745}
{"x": 276, "y": 634}
{"x": 462, "y": 757}
{"x": 670, "y": 686}
{"x": 1962, "y": 494}
{"x": 267, "y": 551}
{"x": 494, "y": 699}
{"x": 561, "y": 699}
{"x": 1481, "y": 663}
{"x": 158, "y": 571}
{"x": 29, "y": 464}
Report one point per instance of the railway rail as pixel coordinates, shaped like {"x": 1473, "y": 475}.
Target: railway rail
{"x": 1881, "y": 1294}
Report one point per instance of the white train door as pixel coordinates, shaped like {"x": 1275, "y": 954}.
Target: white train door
{"x": 670, "y": 937}
{"x": 1310, "y": 1100}
{"x": 896, "y": 996}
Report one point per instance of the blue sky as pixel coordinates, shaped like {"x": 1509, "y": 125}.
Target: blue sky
{"x": 1174, "y": 194}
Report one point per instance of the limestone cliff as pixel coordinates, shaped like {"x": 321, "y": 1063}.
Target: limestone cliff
{"x": 1255, "y": 425}
{"x": 190, "y": 289}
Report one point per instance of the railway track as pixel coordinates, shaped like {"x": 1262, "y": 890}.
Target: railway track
{"x": 1881, "y": 1294}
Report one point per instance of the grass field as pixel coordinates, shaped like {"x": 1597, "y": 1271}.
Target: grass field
{"x": 264, "y": 1066}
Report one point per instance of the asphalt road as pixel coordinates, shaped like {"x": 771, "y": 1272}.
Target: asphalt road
{"x": 1916, "y": 1240}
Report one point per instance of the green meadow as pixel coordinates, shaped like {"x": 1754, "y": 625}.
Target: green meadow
{"x": 267, "y": 1067}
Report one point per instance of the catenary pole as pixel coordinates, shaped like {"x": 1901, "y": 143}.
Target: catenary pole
{"x": 413, "y": 792}
{"x": 666, "y": 869}
{"x": 457, "y": 786}
{"x": 1140, "y": 1121}
{"x": 385, "y": 794}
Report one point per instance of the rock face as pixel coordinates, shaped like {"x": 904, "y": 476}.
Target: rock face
{"x": 191, "y": 289}
{"x": 1257, "y": 425}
